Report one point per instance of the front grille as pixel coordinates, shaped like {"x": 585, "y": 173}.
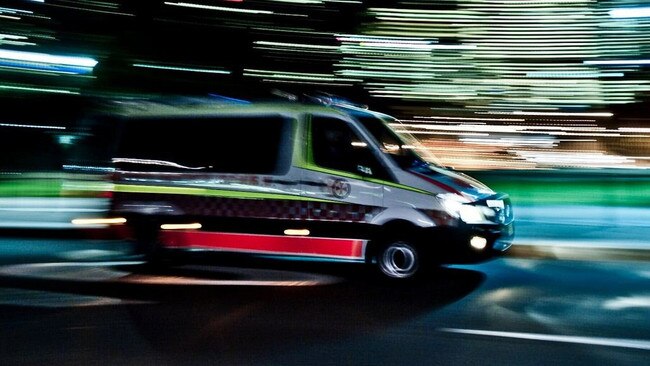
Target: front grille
{"x": 508, "y": 213}
{"x": 503, "y": 214}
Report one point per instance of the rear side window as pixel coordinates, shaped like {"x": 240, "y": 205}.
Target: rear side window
{"x": 228, "y": 145}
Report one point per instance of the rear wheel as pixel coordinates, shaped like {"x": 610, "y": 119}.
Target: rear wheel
{"x": 398, "y": 259}
{"x": 148, "y": 245}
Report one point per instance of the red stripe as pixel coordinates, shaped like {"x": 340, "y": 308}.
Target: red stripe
{"x": 268, "y": 244}
{"x": 437, "y": 183}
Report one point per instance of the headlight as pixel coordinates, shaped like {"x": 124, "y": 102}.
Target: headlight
{"x": 471, "y": 214}
{"x": 458, "y": 206}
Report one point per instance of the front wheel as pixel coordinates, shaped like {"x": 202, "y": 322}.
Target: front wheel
{"x": 398, "y": 260}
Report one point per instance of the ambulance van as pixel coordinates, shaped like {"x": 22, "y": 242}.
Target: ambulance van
{"x": 291, "y": 180}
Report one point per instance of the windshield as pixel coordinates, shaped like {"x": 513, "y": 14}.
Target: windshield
{"x": 402, "y": 148}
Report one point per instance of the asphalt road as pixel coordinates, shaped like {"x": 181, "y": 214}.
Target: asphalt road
{"x": 512, "y": 311}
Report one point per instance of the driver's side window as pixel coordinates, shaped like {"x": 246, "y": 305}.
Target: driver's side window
{"x": 336, "y": 146}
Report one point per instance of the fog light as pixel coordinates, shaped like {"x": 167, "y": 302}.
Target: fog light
{"x": 478, "y": 242}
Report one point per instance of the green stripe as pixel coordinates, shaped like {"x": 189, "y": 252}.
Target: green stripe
{"x": 309, "y": 147}
{"x": 298, "y": 143}
{"x": 400, "y": 186}
{"x": 360, "y": 177}
{"x": 311, "y": 165}
{"x": 30, "y": 187}
{"x": 190, "y": 191}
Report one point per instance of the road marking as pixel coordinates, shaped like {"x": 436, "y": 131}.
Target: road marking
{"x": 597, "y": 341}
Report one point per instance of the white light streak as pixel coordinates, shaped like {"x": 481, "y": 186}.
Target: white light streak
{"x": 155, "y": 162}
{"x": 35, "y": 89}
{"x": 595, "y": 341}
{"x": 32, "y": 126}
{"x": 563, "y": 114}
{"x": 297, "y": 45}
{"x": 617, "y": 62}
{"x": 573, "y": 74}
{"x": 14, "y": 11}
{"x": 621, "y": 303}
{"x": 640, "y": 12}
{"x": 297, "y": 232}
{"x": 188, "y": 69}
{"x": 219, "y": 8}
{"x": 99, "y": 221}
{"x": 47, "y": 58}
{"x": 192, "y": 226}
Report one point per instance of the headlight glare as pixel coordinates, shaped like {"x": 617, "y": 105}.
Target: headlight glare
{"x": 471, "y": 214}
{"x": 458, "y": 206}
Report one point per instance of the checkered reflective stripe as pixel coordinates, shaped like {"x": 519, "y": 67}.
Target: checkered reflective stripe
{"x": 250, "y": 208}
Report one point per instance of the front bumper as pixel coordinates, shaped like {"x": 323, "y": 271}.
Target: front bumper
{"x": 453, "y": 244}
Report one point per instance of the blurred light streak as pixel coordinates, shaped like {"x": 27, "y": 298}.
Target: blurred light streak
{"x": 11, "y": 36}
{"x": 573, "y": 114}
{"x": 531, "y": 129}
{"x": 67, "y": 63}
{"x": 91, "y": 10}
{"x": 296, "y": 45}
{"x": 639, "y": 12}
{"x": 487, "y": 119}
{"x": 17, "y": 43}
{"x": 38, "y": 89}
{"x": 504, "y": 60}
{"x": 99, "y": 221}
{"x": 617, "y": 62}
{"x": 441, "y": 133}
{"x": 32, "y": 126}
{"x": 311, "y": 2}
{"x": 14, "y": 11}
{"x": 577, "y": 159}
{"x": 192, "y": 226}
{"x": 155, "y": 162}
{"x": 596, "y": 341}
{"x": 620, "y": 303}
{"x": 219, "y": 8}
{"x": 579, "y": 74}
{"x": 344, "y": 1}
{"x": 188, "y": 69}
{"x": 272, "y": 74}
{"x": 508, "y": 142}
{"x": 634, "y": 129}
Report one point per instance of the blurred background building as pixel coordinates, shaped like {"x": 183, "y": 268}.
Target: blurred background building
{"x": 484, "y": 84}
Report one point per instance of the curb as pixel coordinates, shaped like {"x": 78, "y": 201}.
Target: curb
{"x": 565, "y": 252}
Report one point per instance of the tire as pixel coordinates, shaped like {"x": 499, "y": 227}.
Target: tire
{"x": 398, "y": 260}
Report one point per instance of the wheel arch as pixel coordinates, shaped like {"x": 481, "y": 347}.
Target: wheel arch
{"x": 390, "y": 230}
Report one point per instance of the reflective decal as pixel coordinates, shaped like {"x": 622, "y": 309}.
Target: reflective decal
{"x": 339, "y": 188}
{"x": 265, "y": 244}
